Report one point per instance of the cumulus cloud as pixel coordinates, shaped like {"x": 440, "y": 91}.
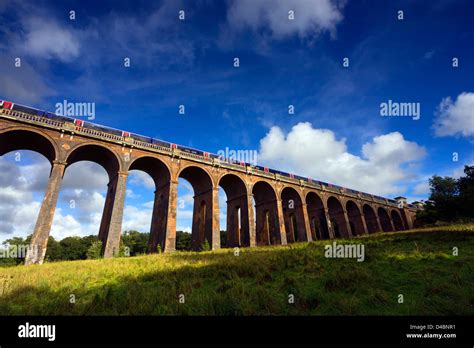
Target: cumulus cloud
{"x": 311, "y": 17}
{"x": 136, "y": 219}
{"x": 317, "y": 153}
{"x": 455, "y": 118}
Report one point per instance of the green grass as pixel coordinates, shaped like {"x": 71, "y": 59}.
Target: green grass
{"x": 418, "y": 264}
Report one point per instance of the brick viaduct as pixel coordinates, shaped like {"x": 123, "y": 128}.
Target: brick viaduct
{"x": 286, "y": 209}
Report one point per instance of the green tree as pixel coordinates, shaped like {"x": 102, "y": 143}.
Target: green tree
{"x": 183, "y": 240}
{"x": 15, "y": 243}
{"x": 94, "y": 251}
{"x": 466, "y": 192}
{"x": 223, "y": 239}
{"x": 55, "y": 251}
{"x": 74, "y": 248}
{"x": 205, "y": 246}
{"x": 450, "y": 199}
{"x": 137, "y": 242}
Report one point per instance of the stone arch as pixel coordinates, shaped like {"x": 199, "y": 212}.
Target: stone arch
{"x": 158, "y": 169}
{"x": 397, "y": 220}
{"x": 161, "y": 175}
{"x": 99, "y": 154}
{"x": 338, "y": 220}
{"x": 293, "y": 215}
{"x": 113, "y": 209}
{"x": 266, "y": 212}
{"x": 21, "y": 138}
{"x": 238, "y": 228}
{"x": 370, "y": 219}
{"x": 203, "y": 170}
{"x": 384, "y": 218}
{"x": 317, "y": 216}
{"x": 355, "y": 218}
{"x": 13, "y": 139}
{"x": 203, "y": 206}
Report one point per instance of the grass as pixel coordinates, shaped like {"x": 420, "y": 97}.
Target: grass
{"x": 419, "y": 264}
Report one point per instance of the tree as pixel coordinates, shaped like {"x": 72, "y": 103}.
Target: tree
{"x": 183, "y": 240}
{"x": 137, "y": 242}
{"x": 54, "y": 252}
{"x": 445, "y": 195}
{"x": 205, "y": 246}
{"x": 466, "y": 192}
{"x": 10, "y": 245}
{"x": 94, "y": 251}
{"x": 223, "y": 239}
{"x": 75, "y": 248}
{"x": 450, "y": 199}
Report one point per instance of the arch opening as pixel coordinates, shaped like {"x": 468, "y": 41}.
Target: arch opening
{"x": 266, "y": 214}
{"x": 24, "y": 176}
{"x": 355, "y": 218}
{"x": 202, "y": 216}
{"x": 370, "y": 219}
{"x": 80, "y": 205}
{"x": 293, "y": 215}
{"x": 397, "y": 221}
{"x": 27, "y": 140}
{"x": 384, "y": 220}
{"x": 98, "y": 154}
{"x": 237, "y": 211}
{"x": 317, "y": 216}
{"x": 338, "y": 221}
{"x": 151, "y": 178}
{"x": 108, "y": 161}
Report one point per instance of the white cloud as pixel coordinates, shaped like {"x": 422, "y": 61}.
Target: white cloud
{"x": 85, "y": 175}
{"x": 422, "y": 188}
{"x": 184, "y": 228}
{"x": 317, "y": 153}
{"x": 184, "y": 214}
{"x": 136, "y": 219}
{"x": 47, "y": 39}
{"x": 311, "y": 17}
{"x": 455, "y": 118}
{"x": 138, "y": 177}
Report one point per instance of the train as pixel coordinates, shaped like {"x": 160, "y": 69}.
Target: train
{"x": 89, "y": 125}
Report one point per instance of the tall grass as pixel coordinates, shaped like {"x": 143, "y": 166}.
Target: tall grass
{"x": 417, "y": 264}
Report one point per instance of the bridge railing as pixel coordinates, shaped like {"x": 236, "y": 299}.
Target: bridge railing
{"x": 32, "y": 118}
{"x": 99, "y": 134}
{"x": 152, "y": 146}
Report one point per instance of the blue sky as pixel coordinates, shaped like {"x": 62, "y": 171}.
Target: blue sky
{"x": 336, "y": 133}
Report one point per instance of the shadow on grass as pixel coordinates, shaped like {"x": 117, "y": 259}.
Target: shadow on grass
{"x": 263, "y": 281}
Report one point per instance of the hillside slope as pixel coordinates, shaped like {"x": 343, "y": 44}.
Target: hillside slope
{"x": 417, "y": 264}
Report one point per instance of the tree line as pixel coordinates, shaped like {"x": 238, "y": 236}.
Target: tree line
{"x": 133, "y": 243}
{"x": 451, "y": 200}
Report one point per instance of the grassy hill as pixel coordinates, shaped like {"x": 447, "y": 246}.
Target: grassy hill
{"x": 418, "y": 264}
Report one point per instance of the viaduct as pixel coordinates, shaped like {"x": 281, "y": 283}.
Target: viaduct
{"x": 287, "y": 209}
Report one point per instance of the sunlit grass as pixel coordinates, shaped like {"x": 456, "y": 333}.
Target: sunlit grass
{"x": 418, "y": 264}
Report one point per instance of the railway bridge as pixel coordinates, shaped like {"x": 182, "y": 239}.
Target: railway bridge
{"x": 264, "y": 206}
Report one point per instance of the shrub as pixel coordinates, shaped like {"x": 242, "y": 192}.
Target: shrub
{"x": 94, "y": 251}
